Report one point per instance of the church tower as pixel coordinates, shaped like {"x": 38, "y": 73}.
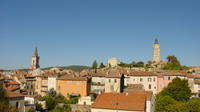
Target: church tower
{"x": 35, "y": 60}
{"x": 156, "y": 51}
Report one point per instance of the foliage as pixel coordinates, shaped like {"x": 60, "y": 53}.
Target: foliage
{"x": 64, "y": 108}
{"x": 162, "y": 102}
{"x": 132, "y": 64}
{"x": 38, "y": 107}
{"x": 192, "y": 105}
{"x": 176, "y": 98}
{"x": 102, "y": 65}
{"x": 178, "y": 89}
{"x": 73, "y": 100}
{"x": 94, "y": 65}
{"x": 50, "y": 102}
{"x": 52, "y": 93}
{"x": 174, "y": 64}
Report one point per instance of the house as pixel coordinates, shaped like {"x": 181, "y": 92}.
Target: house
{"x": 114, "y": 81}
{"x": 41, "y": 85}
{"x": 98, "y": 82}
{"x": 16, "y": 100}
{"x": 147, "y": 79}
{"x": 165, "y": 77}
{"x": 70, "y": 84}
{"x": 30, "y": 85}
{"x": 137, "y": 101}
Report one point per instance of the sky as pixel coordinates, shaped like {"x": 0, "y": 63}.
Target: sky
{"x": 77, "y": 32}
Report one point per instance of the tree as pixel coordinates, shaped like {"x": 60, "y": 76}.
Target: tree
{"x": 52, "y": 93}
{"x": 64, "y": 108}
{"x": 178, "y": 89}
{"x": 174, "y": 64}
{"x": 38, "y": 107}
{"x": 162, "y": 102}
{"x": 94, "y": 65}
{"x": 173, "y": 60}
{"x": 50, "y": 102}
{"x": 192, "y": 105}
{"x": 102, "y": 65}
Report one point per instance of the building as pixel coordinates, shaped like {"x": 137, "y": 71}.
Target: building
{"x": 41, "y": 85}
{"x": 146, "y": 79}
{"x": 113, "y": 62}
{"x": 30, "y": 85}
{"x": 114, "y": 81}
{"x": 98, "y": 83}
{"x": 156, "y": 51}
{"x": 73, "y": 85}
{"x": 165, "y": 77}
{"x": 35, "y": 60}
{"x": 16, "y": 100}
{"x": 52, "y": 82}
{"x": 137, "y": 101}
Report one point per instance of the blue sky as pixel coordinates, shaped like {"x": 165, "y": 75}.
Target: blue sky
{"x": 77, "y": 32}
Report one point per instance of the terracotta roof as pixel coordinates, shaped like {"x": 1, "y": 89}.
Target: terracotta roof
{"x": 141, "y": 73}
{"x": 13, "y": 88}
{"x": 172, "y": 73}
{"x": 121, "y": 101}
{"x": 13, "y": 82}
{"x": 72, "y": 77}
{"x": 13, "y": 94}
{"x": 197, "y": 81}
{"x": 133, "y": 87}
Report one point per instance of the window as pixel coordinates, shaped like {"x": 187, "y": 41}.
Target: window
{"x": 168, "y": 78}
{"x": 115, "y": 80}
{"x": 141, "y": 79}
{"x": 109, "y": 80}
{"x": 17, "y": 104}
{"x": 149, "y": 86}
{"x": 154, "y": 79}
{"x": 149, "y": 79}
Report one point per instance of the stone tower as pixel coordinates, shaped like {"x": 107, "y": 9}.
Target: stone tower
{"x": 35, "y": 60}
{"x": 156, "y": 51}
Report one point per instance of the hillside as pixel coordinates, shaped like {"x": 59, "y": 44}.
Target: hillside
{"x": 76, "y": 68}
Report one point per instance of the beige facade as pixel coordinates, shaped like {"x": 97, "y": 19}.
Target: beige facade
{"x": 41, "y": 85}
{"x": 112, "y": 85}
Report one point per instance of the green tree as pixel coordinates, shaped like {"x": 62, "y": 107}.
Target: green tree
{"x": 192, "y": 105}
{"x": 52, "y": 93}
{"x": 38, "y": 107}
{"x": 94, "y": 65}
{"x": 102, "y": 65}
{"x": 173, "y": 59}
{"x": 50, "y": 102}
{"x": 178, "y": 89}
{"x": 64, "y": 108}
{"x": 162, "y": 102}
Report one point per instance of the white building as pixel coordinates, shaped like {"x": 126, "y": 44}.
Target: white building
{"x": 147, "y": 79}
{"x": 52, "y": 82}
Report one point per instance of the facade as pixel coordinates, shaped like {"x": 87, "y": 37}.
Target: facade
{"x": 73, "y": 86}
{"x": 30, "y": 85}
{"x": 41, "y": 85}
{"x": 113, "y": 84}
{"x": 16, "y": 100}
{"x": 138, "y": 101}
{"x": 52, "y": 82}
{"x": 156, "y": 52}
{"x": 98, "y": 84}
{"x": 147, "y": 79}
{"x": 35, "y": 60}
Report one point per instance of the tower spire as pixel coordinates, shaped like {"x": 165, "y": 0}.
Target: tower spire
{"x": 156, "y": 41}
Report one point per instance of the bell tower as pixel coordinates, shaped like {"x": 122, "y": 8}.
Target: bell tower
{"x": 156, "y": 51}
{"x": 35, "y": 60}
